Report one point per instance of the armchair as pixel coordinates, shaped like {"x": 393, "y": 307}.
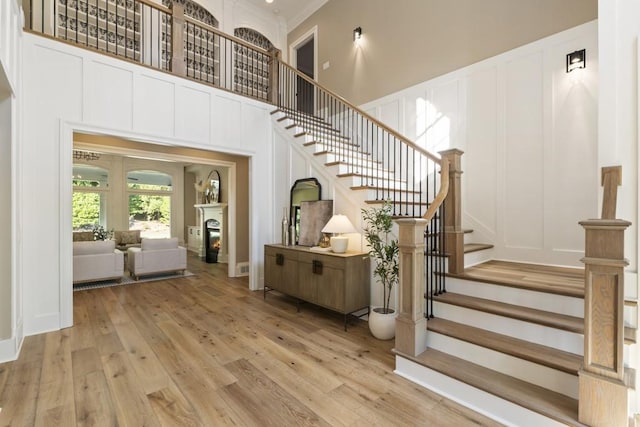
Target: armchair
{"x": 156, "y": 256}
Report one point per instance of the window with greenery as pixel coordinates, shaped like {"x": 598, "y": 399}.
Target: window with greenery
{"x": 150, "y": 203}
{"x": 89, "y": 207}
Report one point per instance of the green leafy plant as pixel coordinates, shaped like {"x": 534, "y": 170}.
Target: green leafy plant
{"x": 99, "y": 233}
{"x": 382, "y": 248}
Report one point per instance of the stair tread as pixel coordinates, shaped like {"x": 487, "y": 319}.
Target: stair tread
{"x": 550, "y": 279}
{"x": 545, "y": 318}
{"x": 383, "y": 189}
{"x": 475, "y": 247}
{"x": 535, "y": 398}
{"x": 540, "y": 354}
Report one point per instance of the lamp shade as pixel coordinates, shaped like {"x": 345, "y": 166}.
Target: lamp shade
{"x": 339, "y": 224}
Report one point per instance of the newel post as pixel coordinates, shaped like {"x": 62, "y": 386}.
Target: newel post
{"x": 411, "y": 324}
{"x": 178, "y": 65}
{"x": 454, "y": 234}
{"x": 274, "y": 75}
{"x": 603, "y": 394}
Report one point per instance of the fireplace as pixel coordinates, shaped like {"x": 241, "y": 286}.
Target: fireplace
{"x": 211, "y": 235}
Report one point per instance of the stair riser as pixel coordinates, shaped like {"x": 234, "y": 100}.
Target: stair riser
{"x": 542, "y": 376}
{"x": 539, "y": 300}
{"x": 373, "y": 172}
{"x": 478, "y": 257}
{"x": 401, "y": 196}
{"x": 543, "y": 335}
{"x": 335, "y": 148}
{"x": 357, "y": 161}
{"x": 356, "y": 181}
{"x": 503, "y": 411}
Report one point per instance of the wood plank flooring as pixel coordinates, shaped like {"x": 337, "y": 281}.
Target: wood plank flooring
{"x": 205, "y": 351}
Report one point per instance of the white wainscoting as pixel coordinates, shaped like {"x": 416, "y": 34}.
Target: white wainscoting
{"x": 529, "y": 132}
{"x": 68, "y": 88}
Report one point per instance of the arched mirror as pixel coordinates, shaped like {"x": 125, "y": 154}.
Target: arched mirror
{"x": 303, "y": 190}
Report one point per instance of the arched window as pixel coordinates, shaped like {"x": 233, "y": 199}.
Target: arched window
{"x": 195, "y": 11}
{"x": 150, "y": 202}
{"x": 90, "y": 187}
{"x": 251, "y": 69}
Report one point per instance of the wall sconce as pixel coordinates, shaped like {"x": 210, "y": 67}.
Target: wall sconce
{"x": 357, "y": 34}
{"x": 577, "y": 59}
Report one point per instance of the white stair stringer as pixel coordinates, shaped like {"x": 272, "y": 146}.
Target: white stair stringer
{"x": 560, "y": 304}
{"x": 490, "y": 405}
{"x": 544, "y": 335}
{"x": 525, "y": 370}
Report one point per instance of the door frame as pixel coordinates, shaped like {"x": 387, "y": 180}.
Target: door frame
{"x": 300, "y": 41}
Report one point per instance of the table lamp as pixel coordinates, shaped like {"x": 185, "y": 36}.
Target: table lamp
{"x": 339, "y": 224}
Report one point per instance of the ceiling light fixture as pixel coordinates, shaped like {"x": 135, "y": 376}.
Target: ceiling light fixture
{"x": 269, "y": 1}
{"x": 85, "y": 155}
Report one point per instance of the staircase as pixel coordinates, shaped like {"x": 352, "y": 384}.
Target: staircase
{"x": 506, "y": 339}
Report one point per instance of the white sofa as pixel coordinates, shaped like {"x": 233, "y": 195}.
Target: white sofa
{"x": 156, "y": 256}
{"x": 97, "y": 260}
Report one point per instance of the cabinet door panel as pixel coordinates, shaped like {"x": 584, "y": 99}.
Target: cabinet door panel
{"x": 330, "y": 287}
{"x": 307, "y": 283}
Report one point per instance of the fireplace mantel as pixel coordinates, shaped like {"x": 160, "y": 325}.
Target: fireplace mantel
{"x": 214, "y": 211}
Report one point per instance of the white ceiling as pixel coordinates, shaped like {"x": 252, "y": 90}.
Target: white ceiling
{"x": 293, "y": 11}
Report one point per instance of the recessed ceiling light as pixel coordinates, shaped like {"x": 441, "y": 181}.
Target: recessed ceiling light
{"x": 269, "y": 1}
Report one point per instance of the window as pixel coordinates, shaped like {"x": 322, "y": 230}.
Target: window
{"x": 150, "y": 203}
{"x": 90, "y": 186}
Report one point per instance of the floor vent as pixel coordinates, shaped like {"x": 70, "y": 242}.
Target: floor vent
{"x": 242, "y": 269}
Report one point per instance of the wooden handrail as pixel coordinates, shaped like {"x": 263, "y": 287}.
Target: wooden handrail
{"x": 381, "y": 125}
{"x": 442, "y": 193}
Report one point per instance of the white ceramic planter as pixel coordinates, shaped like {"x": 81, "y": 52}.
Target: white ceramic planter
{"x": 382, "y": 326}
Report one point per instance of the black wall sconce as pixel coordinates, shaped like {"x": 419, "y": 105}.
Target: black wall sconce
{"x": 577, "y": 59}
{"x": 357, "y": 34}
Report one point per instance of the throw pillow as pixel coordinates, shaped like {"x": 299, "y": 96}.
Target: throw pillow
{"x": 130, "y": 237}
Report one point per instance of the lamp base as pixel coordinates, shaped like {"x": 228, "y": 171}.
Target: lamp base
{"x": 339, "y": 244}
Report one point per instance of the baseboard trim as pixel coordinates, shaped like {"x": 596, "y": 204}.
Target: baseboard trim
{"x": 9, "y": 350}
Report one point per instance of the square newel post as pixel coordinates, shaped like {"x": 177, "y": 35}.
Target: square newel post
{"x": 273, "y": 75}
{"x": 178, "y": 64}
{"x": 603, "y": 395}
{"x": 411, "y": 324}
{"x": 454, "y": 235}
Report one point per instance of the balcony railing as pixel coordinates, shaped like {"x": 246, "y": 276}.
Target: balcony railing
{"x": 159, "y": 37}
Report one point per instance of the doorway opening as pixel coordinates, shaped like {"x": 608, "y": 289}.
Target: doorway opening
{"x": 303, "y": 53}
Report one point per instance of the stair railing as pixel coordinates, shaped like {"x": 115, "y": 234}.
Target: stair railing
{"x": 156, "y": 36}
{"x": 376, "y": 156}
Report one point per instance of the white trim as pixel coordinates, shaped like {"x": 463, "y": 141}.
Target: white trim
{"x": 304, "y": 38}
{"x": 9, "y": 350}
{"x": 66, "y": 191}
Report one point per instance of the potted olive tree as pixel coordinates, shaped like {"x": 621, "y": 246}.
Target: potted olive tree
{"x": 383, "y": 250}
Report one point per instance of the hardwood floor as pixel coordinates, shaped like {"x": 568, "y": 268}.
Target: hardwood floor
{"x": 205, "y": 351}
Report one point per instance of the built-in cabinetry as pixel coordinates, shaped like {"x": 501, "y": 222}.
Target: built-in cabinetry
{"x": 339, "y": 282}
{"x": 194, "y": 238}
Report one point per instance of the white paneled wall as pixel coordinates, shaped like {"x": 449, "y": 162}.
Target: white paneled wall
{"x": 11, "y": 313}
{"x": 67, "y": 89}
{"x": 528, "y": 130}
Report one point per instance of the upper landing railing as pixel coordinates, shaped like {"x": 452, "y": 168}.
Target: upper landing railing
{"x": 377, "y": 157}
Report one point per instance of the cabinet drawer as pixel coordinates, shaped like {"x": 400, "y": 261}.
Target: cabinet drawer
{"x": 329, "y": 261}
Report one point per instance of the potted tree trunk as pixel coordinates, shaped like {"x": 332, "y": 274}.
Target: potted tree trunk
{"x": 383, "y": 250}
